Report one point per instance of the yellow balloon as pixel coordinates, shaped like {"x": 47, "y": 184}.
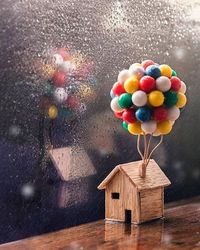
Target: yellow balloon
{"x": 182, "y": 99}
{"x": 164, "y": 127}
{"x": 156, "y": 98}
{"x": 131, "y": 85}
{"x": 52, "y": 112}
{"x": 165, "y": 70}
{"x": 47, "y": 71}
{"x": 84, "y": 90}
{"x": 157, "y": 133}
{"x": 135, "y": 128}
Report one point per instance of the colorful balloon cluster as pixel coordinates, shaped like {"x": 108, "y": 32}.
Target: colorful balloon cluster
{"x": 70, "y": 84}
{"x": 148, "y": 98}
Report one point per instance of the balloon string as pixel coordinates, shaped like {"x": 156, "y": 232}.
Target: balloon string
{"x": 149, "y": 157}
{"x": 146, "y": 156}
{"x": 138, "y": 147}
{"x": 145, "y": 149}
{"x": 148, "y": 146}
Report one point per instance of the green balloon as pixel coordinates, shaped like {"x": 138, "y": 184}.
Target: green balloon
{"x": 125, "y": 125}
{"x": 125, "y": 100}
{"x": 66, "y": 113}
{"x": 48, "y": 89}
{"x": 171, "y": 98}
{"x": 174, "y": 73}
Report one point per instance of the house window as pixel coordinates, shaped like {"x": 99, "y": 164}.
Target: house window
{"x": 115, "y": 196}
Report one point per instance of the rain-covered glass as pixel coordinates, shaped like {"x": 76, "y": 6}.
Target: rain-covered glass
{"x": 44, "y": 189}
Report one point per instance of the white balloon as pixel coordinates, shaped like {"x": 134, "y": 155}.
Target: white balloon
{"x": 173, "y": 113}
{"x": 136, "y": 71}
{"x": 149, "y": 127}
{"x": 115, "y": 106}
{"x": 67, "y": 66}
{"x": 60, "y": 95}
{"x": 183, "y": 88}
{"x": 163, "y": 83}
{"x": 57, "y": 60}
{"x": 123, "y": 75}
{"x": 139, "y": 98}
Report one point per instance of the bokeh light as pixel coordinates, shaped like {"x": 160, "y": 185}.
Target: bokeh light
{"x": 27, "y": 191}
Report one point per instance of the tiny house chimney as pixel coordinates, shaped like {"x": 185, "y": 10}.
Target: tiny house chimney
{"x": 142, "y": 170}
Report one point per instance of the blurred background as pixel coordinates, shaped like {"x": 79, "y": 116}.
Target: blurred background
{"x": 103, "y": 37}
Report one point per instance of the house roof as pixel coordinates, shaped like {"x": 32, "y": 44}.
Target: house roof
{"x": 154, "y": 175}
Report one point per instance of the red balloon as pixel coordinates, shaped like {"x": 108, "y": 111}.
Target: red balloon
{"x": 118, "y": 88}
{"x": 72, "y": 102}
{"x": 59, "y": 79}
{"x": 147, "y": 63}
{"x": 176, "y": 83}
{"x": 129, "y": 116}
{"x": 119, "y": 115}
{"x": 64, "y": 53}
{"x": 159, "y": 114}
{"x": 147, "y": 83}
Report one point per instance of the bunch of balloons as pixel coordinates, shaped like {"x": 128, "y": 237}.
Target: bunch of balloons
{"x": 148, "y": 98}
{"x": 70, "y": 83}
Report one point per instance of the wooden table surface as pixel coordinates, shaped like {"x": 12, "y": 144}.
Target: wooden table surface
{"x": 179, "y": 230}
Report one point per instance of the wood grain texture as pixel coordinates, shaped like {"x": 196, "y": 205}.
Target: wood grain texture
{"x": 115, "y": 208}
{"x": 151, "y": 202}
{"x": 179, "y": 231}
{"x": 154, "y": 175}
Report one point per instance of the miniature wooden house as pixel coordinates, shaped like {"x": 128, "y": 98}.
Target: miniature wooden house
{"x": 131, "y": 198}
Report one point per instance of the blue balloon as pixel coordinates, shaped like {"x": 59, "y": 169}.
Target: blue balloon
{"x": 143, "y": 114}
{"x": 112, "y": 95}
{"x": 153, "y": 71}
